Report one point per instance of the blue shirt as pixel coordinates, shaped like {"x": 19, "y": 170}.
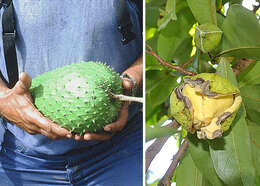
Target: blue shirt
{"x": 54, "y": 33}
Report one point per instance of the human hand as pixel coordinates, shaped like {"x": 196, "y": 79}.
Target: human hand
{"x": 16, "y": 105}
{"x": 113, "y": 127}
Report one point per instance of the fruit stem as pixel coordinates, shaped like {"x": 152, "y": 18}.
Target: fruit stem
{"x": 122, "y": 97}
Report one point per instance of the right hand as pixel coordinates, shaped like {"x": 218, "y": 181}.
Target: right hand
{"x": 16, "y": 105}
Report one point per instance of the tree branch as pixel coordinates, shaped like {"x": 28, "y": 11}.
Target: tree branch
{"x": 157, "y": 145}
{"x": 153, "y": 150}
{"x": 165, "y": 63}
{"x": 166, "y": 180}
{"x": 184, "y": 65}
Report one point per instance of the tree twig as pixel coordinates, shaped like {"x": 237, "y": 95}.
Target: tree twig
{"x": 165, "y": 63}
{"x": 157, "y": 145}
{"x": 166, "y": 180}
{"x": 184, "y": 65}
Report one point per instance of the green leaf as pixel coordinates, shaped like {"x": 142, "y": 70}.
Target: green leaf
{"x": 182, "y": 53}
{"x": 231, "y": 154}
{"x": 156, "y": 3}
{"x": 153, "y": 64}
{"x": 199, "y": 150}
{"x": 204, "y": 66}
{"x": 235, "y": 1}
{"x": 170, "y": 5}
{"x": 251, "y": 99}
{"x": 220, "y": 19}
{"x": 163, "y": 89}
{"x": 241, "y": 34}
{"x": 254, "y": 131}
{"x": 204, "y": 10}
{"x": 152, "y": 15}
{"x": 157, "y": 132}
{"x": 257, "y": 182}
{"x": 180, "y": 4}
{"x": 250, "y": 76}
{"x": 170, "y": 15}
{"x": 154, "y": 112}
{"x": 170, "y": 38}
{"x": 224, "y": 69}
{"x": 196, "y": 62}
{"x": 148, "y": 104}
{"x": 154, "y": 78}
{"x": 249, "y": 52}
{"x": 188, "y": 175}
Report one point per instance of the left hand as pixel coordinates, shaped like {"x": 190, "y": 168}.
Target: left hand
{"x": 118, "y": 125}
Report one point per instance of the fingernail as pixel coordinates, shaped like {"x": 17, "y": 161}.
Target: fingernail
{"x": 68, "y": 135}
{"x": 86, "y": 137}
{"x": 108, "y": 128}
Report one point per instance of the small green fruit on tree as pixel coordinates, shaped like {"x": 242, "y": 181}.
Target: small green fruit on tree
{"x": 207, "y": 37}
{"x": 206, "y": 103}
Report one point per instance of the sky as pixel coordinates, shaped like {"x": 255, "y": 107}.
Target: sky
{"x": 162, "y": 161}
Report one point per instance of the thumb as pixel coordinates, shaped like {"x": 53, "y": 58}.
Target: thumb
{"x": 127, "y": 84}
{"x": 23, "y": 83}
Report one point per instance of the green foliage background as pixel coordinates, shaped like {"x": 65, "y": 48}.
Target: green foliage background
{"x": 233, "y": 159}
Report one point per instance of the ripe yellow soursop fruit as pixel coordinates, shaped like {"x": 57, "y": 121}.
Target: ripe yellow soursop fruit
{"x": 77, "y": 96}
{"x": 206, "y": 103}
{"x": 207, "y": 37}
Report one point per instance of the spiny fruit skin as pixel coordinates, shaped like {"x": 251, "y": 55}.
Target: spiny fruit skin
{"x": 77, "y": 96}
{"x": 206, "y": 103}
{"x": 207, "y": 37}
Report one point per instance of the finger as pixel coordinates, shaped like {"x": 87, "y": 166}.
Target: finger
{"x": 48, "y": 134}
{"x": 99, "y": 137}
{"x": 121, "y": 121}
{"x": 77, "y": 137}
{"x": 26, "y": 80}
{"x": 23, "y": 84}
{"x": 32, "y": 127}
{"x": 127, "y": 84}
{"x": 38, "y": 119}
{"x": 32, "y": 132}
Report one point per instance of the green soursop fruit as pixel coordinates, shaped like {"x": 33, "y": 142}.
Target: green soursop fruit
{"x": 207, "y": 37}
{"x": 77, "y": 96}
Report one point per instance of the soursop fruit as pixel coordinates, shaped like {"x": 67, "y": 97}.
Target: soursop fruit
{"x": 78, "y": 96}
{"x": 206, "y": 103}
